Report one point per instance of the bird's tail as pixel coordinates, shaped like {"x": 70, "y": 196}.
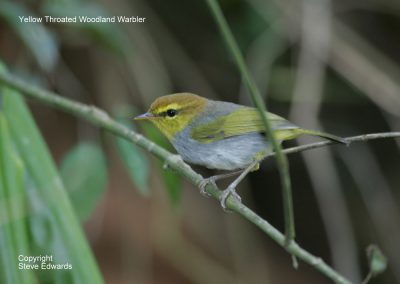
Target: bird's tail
{"x": 328, "y": 136}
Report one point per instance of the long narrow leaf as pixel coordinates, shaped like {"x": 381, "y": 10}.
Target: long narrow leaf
{"x": 54, "y": 226}
{"x": 9, "y": 271}
{"x": 13, "y": 231}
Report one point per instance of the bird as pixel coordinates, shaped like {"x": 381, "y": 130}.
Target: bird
{"x": 220, "y": 135}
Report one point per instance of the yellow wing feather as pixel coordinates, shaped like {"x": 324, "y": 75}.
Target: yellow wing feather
{"x": 242, "y": 121}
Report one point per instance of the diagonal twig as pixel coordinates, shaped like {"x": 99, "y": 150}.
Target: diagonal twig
{"x": 101, "y": 119}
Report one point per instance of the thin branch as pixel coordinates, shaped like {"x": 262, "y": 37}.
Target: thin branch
{"x": 101, "y": 119}
{"x": 351, "y": 139}
{"x": 283, "y": 165}
{"x": 315, "y": 35}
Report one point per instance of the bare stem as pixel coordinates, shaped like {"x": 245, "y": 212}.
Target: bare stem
{"x": 283, "y": 165}
{"x": 101, "y": 119}
{"x": 351, "y": 139}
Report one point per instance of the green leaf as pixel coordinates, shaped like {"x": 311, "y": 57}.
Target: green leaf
{"x": 136, "y": 163}
{"x": 84, "y": 173}
{"x": 106, "y": 34}
{"x": 54, "y": 227}
{"x": 172, "y": 181}
{"x": 40, "y": 41}
{"x": 377, "y": 261}
{"x": 13, "y": 233}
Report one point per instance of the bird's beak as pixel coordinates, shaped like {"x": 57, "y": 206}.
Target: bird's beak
{"x": 143, "y": 116}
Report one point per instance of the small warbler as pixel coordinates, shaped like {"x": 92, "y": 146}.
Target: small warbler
{"x": 220, "y": 135}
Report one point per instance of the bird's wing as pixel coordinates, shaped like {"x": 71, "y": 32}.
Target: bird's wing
{"x": 241, "y": 121}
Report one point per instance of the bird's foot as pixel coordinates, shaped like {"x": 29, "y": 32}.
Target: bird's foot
{"x": 229, "y": 191}
{"x": 204, "y": 183}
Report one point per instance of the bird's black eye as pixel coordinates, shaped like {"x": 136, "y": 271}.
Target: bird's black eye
{"x": 171, "y": 112}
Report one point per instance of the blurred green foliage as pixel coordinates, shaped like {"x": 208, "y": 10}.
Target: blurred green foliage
{"x": 38, "y": 39}
{"x": 46, "y": 210}
{"x": 13, "y": 230}
{"x": 104, "y": 34}
{"x": 135, "y": 162}
{"x": 172, "y": 181}
{"x": 377, "y": 260}
{"x": 84, "y": 174}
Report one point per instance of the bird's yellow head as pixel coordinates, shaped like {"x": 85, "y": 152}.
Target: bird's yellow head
{"x": 172, "y": 113}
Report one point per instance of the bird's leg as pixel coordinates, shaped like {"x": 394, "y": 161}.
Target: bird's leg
{"x": 213, "y": 179}
{"x": 231, "y": 189}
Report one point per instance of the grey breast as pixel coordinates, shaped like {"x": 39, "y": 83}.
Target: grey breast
{"x": 227, "y": 154}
